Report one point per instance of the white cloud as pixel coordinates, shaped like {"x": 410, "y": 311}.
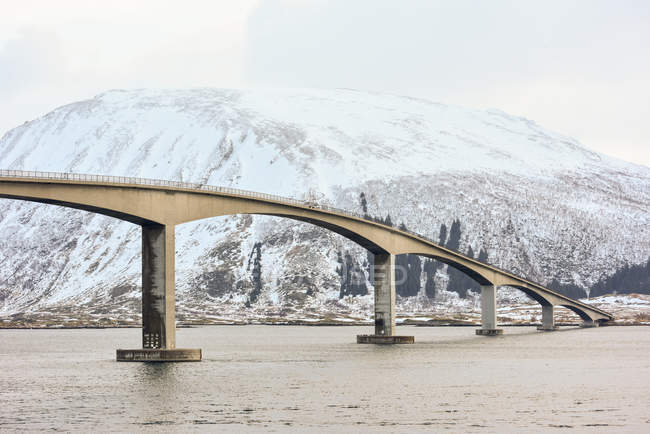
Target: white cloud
{"x": 577, "y": 66}
{"x": 27, "y": 61}
{"x": 53, "y": 53}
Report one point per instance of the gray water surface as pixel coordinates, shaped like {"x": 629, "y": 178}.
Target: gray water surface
{"x": 273, "y": 378}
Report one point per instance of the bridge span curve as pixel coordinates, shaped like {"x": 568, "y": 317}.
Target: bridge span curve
{"x": 159, "y": 205}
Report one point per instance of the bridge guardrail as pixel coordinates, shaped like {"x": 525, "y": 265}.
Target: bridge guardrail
{"x": 165, "y": 183}
{"x": 32, "y": 174}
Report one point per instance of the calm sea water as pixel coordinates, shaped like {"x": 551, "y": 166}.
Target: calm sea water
{"x": 317, "y": 379}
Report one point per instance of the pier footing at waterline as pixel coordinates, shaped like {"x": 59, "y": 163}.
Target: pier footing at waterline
{"x": 489, "y": 332}
{"x": 382, "y": 339}
{"x": 159, "y": 355}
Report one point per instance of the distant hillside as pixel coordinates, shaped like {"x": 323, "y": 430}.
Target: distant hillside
{"x": 530, "y": 200}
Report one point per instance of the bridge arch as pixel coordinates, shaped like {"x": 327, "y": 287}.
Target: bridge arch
{"x": 535, "y": 295}
{"x": 84, "y": 206}
{"x": 362, "y": 240}
{"x": 142, "y": 220}
{"x": 475, "y": 273}
{"x": 580, "y": 312}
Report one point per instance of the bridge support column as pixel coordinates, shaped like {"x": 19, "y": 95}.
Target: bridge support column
{"x": 489, "y": 312}
{"x": 548, "y": 320}
{"x": 589, "y": 323}
{"x": 384, "y": 283}
{"x": 158, "y": 279}
{"x": 158, "y": 300}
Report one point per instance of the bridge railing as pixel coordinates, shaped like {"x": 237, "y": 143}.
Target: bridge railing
{"x": 31, "y": 174}
{"x": 211, "y": 188}
{"x": 175, "y": 184}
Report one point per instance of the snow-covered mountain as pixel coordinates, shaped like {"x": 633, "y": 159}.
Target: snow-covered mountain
{"x": 539, "y": 202}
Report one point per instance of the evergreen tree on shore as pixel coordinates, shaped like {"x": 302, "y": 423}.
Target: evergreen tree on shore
{"x": 443, "y": 235}
{"x": 364, "y": 204}
{"x": 626, "y": 280}
{"x": 483, "y": 256}
{"x": 255, "y": 259}
{"x": 453, "y": 242}
{"x": 353, "y": 281}
{"x": 429, "y": 270}
{"x": 459, "y": 281}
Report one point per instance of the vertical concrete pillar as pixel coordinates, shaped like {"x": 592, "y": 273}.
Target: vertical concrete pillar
{"x": 589, "y": 323}
{"x": 158, "y": 300}
{"x": 548, "y": 320}
{"x": 489, "y": 311}
{"x": 384, "y": 282}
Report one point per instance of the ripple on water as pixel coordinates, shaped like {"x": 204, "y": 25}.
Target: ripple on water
{"x": 265, "y": 377}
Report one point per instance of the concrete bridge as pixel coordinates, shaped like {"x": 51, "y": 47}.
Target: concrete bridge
{"x": 158, "y": 206}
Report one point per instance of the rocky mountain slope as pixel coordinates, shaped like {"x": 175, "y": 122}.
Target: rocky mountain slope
{"x": 540, "y": 203}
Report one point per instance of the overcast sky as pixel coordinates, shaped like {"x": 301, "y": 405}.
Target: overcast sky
{"x": 577, "y": 67}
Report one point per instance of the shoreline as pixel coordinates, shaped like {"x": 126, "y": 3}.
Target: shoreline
{"x": 298, "y": 324}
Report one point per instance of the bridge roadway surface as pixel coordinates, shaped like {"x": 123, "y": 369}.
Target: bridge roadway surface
{"x": 159, "y": 205}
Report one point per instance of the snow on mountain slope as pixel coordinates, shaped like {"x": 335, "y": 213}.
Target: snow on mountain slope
{"x": 542, "y": 204}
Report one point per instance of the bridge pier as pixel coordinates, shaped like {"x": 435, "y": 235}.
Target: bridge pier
{"x": 384, "y": 282}
{"x": 489, "y": 312}
{"x": 548, "y": 320}
{"x": 158, "y": 300}
{"x": 589, "y": 323}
